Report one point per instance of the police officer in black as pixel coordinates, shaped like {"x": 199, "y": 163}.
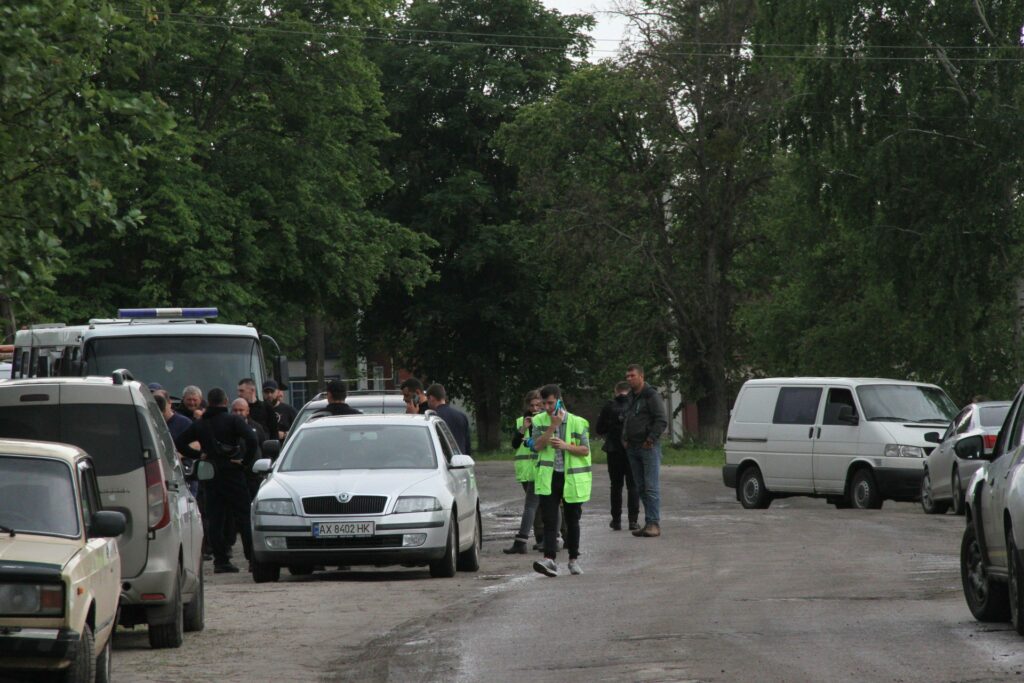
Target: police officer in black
{"x": 336, "y": 395}
{"x": 609, "y": 425}
{"x": 227, "y": 443}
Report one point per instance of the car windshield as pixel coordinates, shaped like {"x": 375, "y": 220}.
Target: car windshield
{"x": 905, "y": 403}
{"x": 360, "y": 447}
{"x": 37, "y": 496}
{"x": 176, "y": 362}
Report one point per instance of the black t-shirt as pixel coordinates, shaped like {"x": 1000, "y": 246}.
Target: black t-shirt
{"x": 285, "y": 416}
{"x": 458, "y": 423}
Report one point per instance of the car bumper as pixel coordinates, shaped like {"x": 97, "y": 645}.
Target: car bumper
{"x": 37, "y": 648}
{"x": 898, "y": 483}
{"x": 729, "y": 475}
{"x": 282, "y": 541}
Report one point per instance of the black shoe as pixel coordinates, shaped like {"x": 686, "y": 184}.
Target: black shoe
{"x": 225, "y": 569}
{"x": 633, "y": 526}
{"x": 518, "y": 548}
{"x": 615, "y": 524}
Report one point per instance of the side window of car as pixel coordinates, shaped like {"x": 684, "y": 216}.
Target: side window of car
{"x": 963, "y": 424}
{"x": 837, "y": 400}
{"x": 90, "y": 491}
{"x": 446, "y": 446}
{"x": 1009, "y": 435}
{"x": 797, "y": 405}
{"x": 952, "y": 429}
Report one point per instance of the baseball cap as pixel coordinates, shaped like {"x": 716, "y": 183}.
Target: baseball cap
{"x": 270, "y": 385}
{"x": 155, "y": 386}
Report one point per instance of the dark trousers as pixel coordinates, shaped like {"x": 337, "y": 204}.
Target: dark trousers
{"x": 573, "y": 513}
{"x": 227, "y": 496}
{"x": 620, "y": 471}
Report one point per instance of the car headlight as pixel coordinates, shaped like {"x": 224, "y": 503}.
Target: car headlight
{"x": 31, "y": 599}
{"x": 898, "y": 450}
{"x": 275, "y": 506}
{"x": 417, "y": 504}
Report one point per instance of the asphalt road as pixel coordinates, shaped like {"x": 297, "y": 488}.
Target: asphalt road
{"x": 798, "y": 592}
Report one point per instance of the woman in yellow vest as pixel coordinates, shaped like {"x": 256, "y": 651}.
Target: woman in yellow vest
{"x": 526, "y": 467}
{"x": 564, "y": 473}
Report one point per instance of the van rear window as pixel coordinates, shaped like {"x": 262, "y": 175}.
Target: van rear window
{"x": 797, "y": 405}
{"x": 109, "y": 433}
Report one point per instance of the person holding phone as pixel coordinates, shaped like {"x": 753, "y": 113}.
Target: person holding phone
{"x": 564, "y": 474}
{"x": 525, "y": 462}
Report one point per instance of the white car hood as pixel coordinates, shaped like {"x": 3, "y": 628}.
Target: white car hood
{"x": 914, "y": 435}
{"x": 354, "y": 482}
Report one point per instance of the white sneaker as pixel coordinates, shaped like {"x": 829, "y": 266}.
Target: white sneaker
{"x": 574, "y": 567}
{"x": 547, "y": 567}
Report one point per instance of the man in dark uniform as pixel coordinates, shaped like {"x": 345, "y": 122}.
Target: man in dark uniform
{"x": 259, "y": 411}
{"x": 227, "y": 443}
{"x": 336, "y": 395}
{"x": 285, "y": 413}
{"x": 457, "y": 421}
{"x": 609, "y": 425}
{"x": 415, "y": 399}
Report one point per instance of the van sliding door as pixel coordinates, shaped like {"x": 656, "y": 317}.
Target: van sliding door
{"x": 791, "y": 439}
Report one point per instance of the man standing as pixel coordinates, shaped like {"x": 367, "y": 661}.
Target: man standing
{"x": 458, "y": 423}
{"x": 415, "y": 399}
{"x": 259, "y": 411}
{"x": 227, "y": 442}
{"x": 273, "y": 397}
{"x": 526, "y": 471}
{"x": 562, "y": 443}
{"x": 609, "y": 426}
{"x": 337, "y": 392}
{"x": 191, "y": 405}
{"x": 645, "y": 421}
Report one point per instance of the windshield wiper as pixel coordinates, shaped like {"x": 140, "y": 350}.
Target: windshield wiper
{"x": 940, "y": 420}
{"x": 8, "y": 529}
{"x": 889, "y": 418}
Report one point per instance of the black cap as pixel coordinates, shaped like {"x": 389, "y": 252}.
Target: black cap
{"x": 270, "y": 385}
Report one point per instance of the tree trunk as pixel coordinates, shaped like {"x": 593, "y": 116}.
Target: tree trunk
{"x": 487, "y": 404}
{"x": 315, "y": 349}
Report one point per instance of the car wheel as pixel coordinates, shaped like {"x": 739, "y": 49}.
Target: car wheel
{"x": 445, "y": 567}
{"x": 469, "y": 561}
{"x": 103, "y": 661}
{"x": 170, "y": 634}
{"x": 1014, "y": 584}
{"x": 300, "y": 569}
{"x": 753, "y": 494}
{"x": 987, "y": 599}
{"x": 958, "y": 494}
{"x": 81, "y": 669}
{"x": 928, "y": 504}
{"x": 864, "y": 492}
{"x": 264, "y": 572}
{"x": 195, "y": 611}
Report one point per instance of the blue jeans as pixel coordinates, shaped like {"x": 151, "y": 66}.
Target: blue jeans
{"x": 646, "y": 464}
{"x": 530, "y": 506}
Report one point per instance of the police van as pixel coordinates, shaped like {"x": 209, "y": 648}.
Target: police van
{"x": 174, "y": 347}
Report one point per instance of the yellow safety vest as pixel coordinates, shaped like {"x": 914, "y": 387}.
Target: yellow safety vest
{"x": 525, "y": 459}
{"x": 578, "y": 470}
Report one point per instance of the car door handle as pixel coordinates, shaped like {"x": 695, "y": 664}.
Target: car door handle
{"x": 819, "y": 432}
{"x": 810, "y": 433}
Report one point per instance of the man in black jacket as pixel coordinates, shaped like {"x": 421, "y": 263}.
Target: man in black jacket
{"x": 227, "y": 442}
{"x": 609, "y": 426}
{"x": 260, "y": 412}
{"x": 645, "y": 421}
{"x": 337, "y": 392}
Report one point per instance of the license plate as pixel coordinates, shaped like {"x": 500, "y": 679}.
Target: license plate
{"x": 342, "y": 529}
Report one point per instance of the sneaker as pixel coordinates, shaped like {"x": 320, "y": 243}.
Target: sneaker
{"x": 615, "y": 524}
{"x": 225, "y": 569}
{"x": 517, "y": 548}
{"x": 547, "y": 567}
{"x": 633, "y": 526}
{"x": 574, "y": 567}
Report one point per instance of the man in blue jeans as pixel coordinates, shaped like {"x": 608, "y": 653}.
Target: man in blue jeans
{"x": 644, "y": 423}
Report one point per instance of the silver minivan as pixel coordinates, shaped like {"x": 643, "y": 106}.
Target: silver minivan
{"x": 853, "y": 441}
{"x": 117, "y": 422}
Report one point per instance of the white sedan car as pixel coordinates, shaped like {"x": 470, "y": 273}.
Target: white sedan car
{"x": 367, "y": 490}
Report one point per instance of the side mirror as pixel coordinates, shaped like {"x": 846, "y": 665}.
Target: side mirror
{"x": 281, "y": 371}
{"x": 970, "y": 448}
{"x": 460, "y": 462}
{"x": 107, "y": 524}
{"x": 933, "y": 437}
{"x": 846, "y": 416}
{"x": 271, "y": 448}
{"x": 204, "y": 470}
{"x": 262, "y": 466}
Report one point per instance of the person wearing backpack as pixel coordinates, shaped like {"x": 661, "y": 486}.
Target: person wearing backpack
{"x": 227, "y": 443}
{"x": 609, "y": 426}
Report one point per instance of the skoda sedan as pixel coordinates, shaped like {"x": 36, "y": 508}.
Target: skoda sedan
{"x": 367, "y": 490}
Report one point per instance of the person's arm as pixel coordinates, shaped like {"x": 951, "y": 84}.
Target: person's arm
{"x": 604, "y": 420}
{"x": 549, "y": 435}
{"x": 183, "y": 443}
{"x": 658, "y": 421}
{"x": 582, "y": 448}
{"x": 249, "y": 437}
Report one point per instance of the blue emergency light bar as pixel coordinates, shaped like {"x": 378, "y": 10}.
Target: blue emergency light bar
{"x": 167, "y": 313}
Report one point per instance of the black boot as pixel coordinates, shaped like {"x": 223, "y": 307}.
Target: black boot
{"x": 616, "y": 524}
{"x": 518, "y": 548}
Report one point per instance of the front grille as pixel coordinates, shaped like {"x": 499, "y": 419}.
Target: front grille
{"x": 310, "y": 543}
{"x": 358, "y": 505}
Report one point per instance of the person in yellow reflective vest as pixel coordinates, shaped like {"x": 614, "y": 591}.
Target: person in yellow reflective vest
{"x": 564, "y": 474}
{"x": 526, "y": 467}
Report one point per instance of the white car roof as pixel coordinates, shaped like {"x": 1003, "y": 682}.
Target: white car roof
{"x": 851, "y": 381}
{"x": 162, "y": 328}
{"x": 370, "y": 419}
{"x": 46, "y": 449}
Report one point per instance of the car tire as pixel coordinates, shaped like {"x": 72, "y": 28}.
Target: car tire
{"x": 445, "y": 567}
{"x": 864, "y": 493}
{"x": 1014, "y": 584}
{"x": 986, "y": 598}
{"x": 753, "y": 494}
{"x": 929, "y": 504}
{"x": 171, "y": 634}
{"x": 264, "y": 572}
{"x": 195, "y": 611}
{"x": 469, "y": 561}
{"x": 103, "y": 661}
{"x": 300, "y": 569}
{"x": 82, "y": 665}
{"x": 958, "y": 494}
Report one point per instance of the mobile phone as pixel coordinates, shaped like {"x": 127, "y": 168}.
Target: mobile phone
{"x": 559, "y": 405}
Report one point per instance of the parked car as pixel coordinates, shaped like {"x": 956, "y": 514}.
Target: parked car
{"x": 367, "y": 490}
{"x": 854, "y": 442}
{"x": 990, "y": 552}
{"x": 942, "y": 486}
{"x": 60, "y": 576}
{"x": 116, "y": 421}
{"x": 369, "y": 402}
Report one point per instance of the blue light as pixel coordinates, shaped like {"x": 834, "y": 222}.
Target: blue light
{"x": 167, "y": 313}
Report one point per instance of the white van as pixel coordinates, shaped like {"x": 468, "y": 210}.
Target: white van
{"x": 853, "y": 441}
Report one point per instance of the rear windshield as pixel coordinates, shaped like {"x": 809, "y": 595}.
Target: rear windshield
{"x": 993, "y": 416}
{"x": 109, "y": 433}
{"x": 37, "y": 495}
{"x": 361, "y": 447}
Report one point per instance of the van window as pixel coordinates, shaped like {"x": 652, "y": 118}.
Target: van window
{"x": 797, "y": 405}
{"x": 837, "y": 400}
{"x": 756, "y": 405}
